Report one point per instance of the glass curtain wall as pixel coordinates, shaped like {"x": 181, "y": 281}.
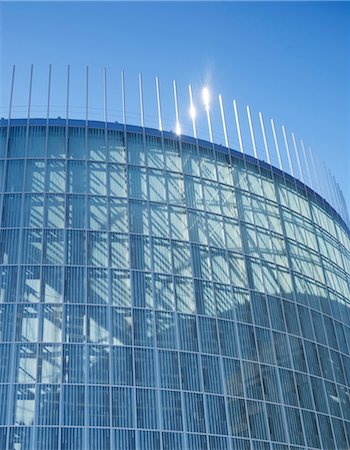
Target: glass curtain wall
{"x": 158, "y": 294}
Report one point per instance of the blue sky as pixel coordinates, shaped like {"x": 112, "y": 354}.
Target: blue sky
{"x": 289, "y": 60}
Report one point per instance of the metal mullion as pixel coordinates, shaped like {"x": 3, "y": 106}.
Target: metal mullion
{"x": 286, "y": 245}
{"x": 269, "y": 234}
{"x": 43, "y": 240}
{"x": 157, "y": 371}
{"x": 37, "y": 386}
{"x": 342, "y": 256}
{"x": 131, "y": 290}
{"x": 313, "y": 223}
{"x": 43, "y": 243}
{"x": 313, "y": 226}
{"x": 260, "y": 257}
{"x": 12, "y": 390}
{"x": 239, "y": 348}
{"x": 131, "y": 283}
{"x": 313, "y": 219}
{"x": 239, "y": 221}
{"x": 291, "y": 273}
{"x": 268, "y": 309}
{"x": 85, "y": 268}
{"x": 65, "y": 261}
{"x": 231, "y": 286}
{"x": 206, "y": 417}
{"x": 183, "y": 404}
{"x": 109, "y": 309}
{"x": 109, "y": 278}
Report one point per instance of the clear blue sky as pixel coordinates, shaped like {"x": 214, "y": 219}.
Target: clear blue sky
{"x": 289, "y": 60}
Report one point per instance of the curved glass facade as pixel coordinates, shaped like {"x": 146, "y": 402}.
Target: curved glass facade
{"x": 160, "y": 293}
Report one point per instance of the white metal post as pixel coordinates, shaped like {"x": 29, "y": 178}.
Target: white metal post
{"x": 105, "y": 95}
{"x": 48, "y": 96}
{"x": 87, "y": 95}
{"x": 315, "y": 171}
{"x": 30, "y": 92}
{"x": 223, "y": 119}
{"x": 192, "y": 112}
{"x": 306, "y": 163}
{"x": 123, "y": 98}
{"x": 67, "y": 99}
{"x": 264, "y": 138}
{"x": 160, "y": 122}
{"x": 298, "y": 159}
{"x": 276, "y": 144}
{"x": 252, "y": 132}
{"x": 141, "y": 101}
{"x": 206, "y": 100}
{"x": 177, "y": 126}
{"x": 287, "y": 150}
{"x": 238, "y": 126}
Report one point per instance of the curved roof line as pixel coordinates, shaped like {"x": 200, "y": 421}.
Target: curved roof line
{"x": 117, "y": 126}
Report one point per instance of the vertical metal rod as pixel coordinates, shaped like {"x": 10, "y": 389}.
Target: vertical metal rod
{"x": 207, "y": 109}
{"x": 252, "y": 132}
{"x": 315, "y": 171}
{"x": 276, "y": 144}
{"x": 12, "y": 89}
{"x": 141, "y": 101}
{"x": 48, "y": 111}
{"x": 178, "y": 126}
{"x": 48, "y": 95}
{"x": 30, "y": 92}
{"x": 237, "y": 125}
{"x": 87, "y": 95}
{"x": 67, "y": 99}
{"x": 264, "y": 138}
{"x": 323, "y": 189}
{"x": 159, "y": 106}
{"x": 306, "y": 163}
{"x": 123, "y": 98}
{"x": 105, "y": 95}
{"x": 223, "y": 119}
{"x": 192, "y": 112}
{"x": 86, "y": 109}
{"x": 298, "y": 159}
{"x": 338, "y": 190}
{"x": 332, "y": 188}
{"x": 346, "y": 212}
{"x": 344, "y": 207}
{"x": 287, "y": 150}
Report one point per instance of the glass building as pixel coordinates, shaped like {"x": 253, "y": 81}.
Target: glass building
{"x": 158, "y": 292}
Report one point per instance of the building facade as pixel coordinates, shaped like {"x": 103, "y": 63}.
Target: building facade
{"x": 160, "y": 292}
